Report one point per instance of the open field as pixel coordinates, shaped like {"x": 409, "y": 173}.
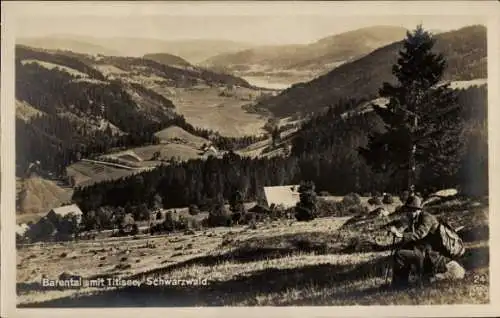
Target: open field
{"x": 86, "y": 173}
{"x": 40, "y": 196}
{"x": 177, "y": 134}
{"x": 328, "y": 261}
{"x": 217, "y": 109}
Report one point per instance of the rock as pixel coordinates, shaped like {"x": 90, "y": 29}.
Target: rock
{"x": 454, "y": 271}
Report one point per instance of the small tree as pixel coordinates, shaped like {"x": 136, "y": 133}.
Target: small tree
{"x": 169, "y": 224}
{"x": 157, "y": 202}
{"x": 218, "y": 215}
{"x": 236, "y": 205}
{"x": 275, "y": 135}
{"x": 194, "y": 210}
{"x": 306, "y": 209}
{"x": 156, "y": 156}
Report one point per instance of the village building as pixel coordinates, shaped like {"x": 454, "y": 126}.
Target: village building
{"x": 64, "y": 211}
{"x": 210, "y": 151}
{"x": 287, "y": 196}
{"x": 128, "y": 225}
{"x": 21, "y": 229}
{"x": 260, "y": 209}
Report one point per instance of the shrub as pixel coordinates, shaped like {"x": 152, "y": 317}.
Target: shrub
{"x": 388, "y": 199}
{"x": 328, "y": 208}
{"x": 306, "y": 209}
{"x": 404, "y": 196}
{"x": 221, "y": 217}
{"x": 374, "y": 201}
{"x": 252, "y": 226}
{"x": 189, "y": 222}
{"x": 324, "y": 194}
{"x": 351, "y": 199}
{"x": 194, "y": 210}
{"x": 303, "y": 213}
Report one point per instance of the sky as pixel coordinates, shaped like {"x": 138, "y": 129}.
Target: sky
{"x": 258, "y": 24}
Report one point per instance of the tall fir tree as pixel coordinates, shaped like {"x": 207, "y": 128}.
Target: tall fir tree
{"x": 306, "y": 208}
{"x": 422, "y": 142}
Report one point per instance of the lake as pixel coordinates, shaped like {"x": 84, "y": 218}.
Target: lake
{"x": 266, "y": 82}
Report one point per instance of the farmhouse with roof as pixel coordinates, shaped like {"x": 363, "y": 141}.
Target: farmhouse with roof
{"x": 21, "y": 229}
{"x": 288, "y": 196}
{"x": 210, "y": 151}
{"x": 66, "y": 210}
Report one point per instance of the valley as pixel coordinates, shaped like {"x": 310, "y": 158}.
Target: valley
{"x": 159, "y": 87}
{"x": 242, "y": 174}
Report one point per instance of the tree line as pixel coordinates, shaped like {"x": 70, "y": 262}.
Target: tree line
{"x": 325, "y": 151}
{"x": 66, "y": 130}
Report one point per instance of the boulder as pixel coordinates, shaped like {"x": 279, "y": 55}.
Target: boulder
{"x": 454, "y": 271}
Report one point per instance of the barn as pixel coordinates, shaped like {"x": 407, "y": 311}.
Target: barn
{"x": 62, "y": 211}
{"x": 288, "y": 196}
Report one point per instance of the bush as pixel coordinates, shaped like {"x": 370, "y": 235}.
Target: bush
{"x": 351, "y": 199}
{"x": 188, "y": 222}
{"x": 374, "y": 201}
{"x": 303, "y": 213}
{"x": 324, "y": 194}
{"x": 306, "y": 209}
{"x": 194, "y": 210}
{"x": 388, "y": 199}
{"x": 338, "y": 209}
{"x": 277, "y": 212}
{"x": 328, "y": 208}
{"x": 404, "y": 196}
{"x": 220, "y": 217}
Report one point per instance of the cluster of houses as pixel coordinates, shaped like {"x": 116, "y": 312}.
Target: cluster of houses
{"x": 285, "y": 196}
{"x": 209, "y": 151}
{"x": 53, "y": 214}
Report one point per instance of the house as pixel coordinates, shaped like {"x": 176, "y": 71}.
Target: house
{"x": 288, "y": 196}
{"x": 210, "y": 152}
{"x": 65, "y": 210}
{"x": 128, "y": 225}
{"x": 21, "y": 229}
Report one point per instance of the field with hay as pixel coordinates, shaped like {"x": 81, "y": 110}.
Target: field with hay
{"x": 219, "y": 110}
{"x": 328, "y": 261}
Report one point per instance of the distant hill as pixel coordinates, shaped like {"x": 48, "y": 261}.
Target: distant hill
{"x": 309, "y": 60}
{"x": 71, "y": 105}
{"x": 178, "y": 135}
{"x": 168, "y": 59}
{"x": 192, "y": 50}
{"x": 67, "y": 44}
{"x": 464, "y": 49}
{"x": 41, "y": 195}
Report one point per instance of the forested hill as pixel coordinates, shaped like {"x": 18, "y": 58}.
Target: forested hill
{"x": 464, "y": 49}
{"x": 168, "y": 59}
{"x": 314, "y": 58}
{"x": 73, "y": 105}
{"x": 325, "y": 150}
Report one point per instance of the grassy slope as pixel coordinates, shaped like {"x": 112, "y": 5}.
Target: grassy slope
{"x": 41, "y": 196}
{"x": 207, "y": 108}
{"x": 177, "y": 133}
{"x": 280, "y": 263}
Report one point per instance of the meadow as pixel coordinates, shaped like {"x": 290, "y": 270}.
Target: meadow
{"x": 328, "y": 261}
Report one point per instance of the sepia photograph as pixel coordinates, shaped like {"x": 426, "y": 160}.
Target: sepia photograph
{"x": 246, "y": 154}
